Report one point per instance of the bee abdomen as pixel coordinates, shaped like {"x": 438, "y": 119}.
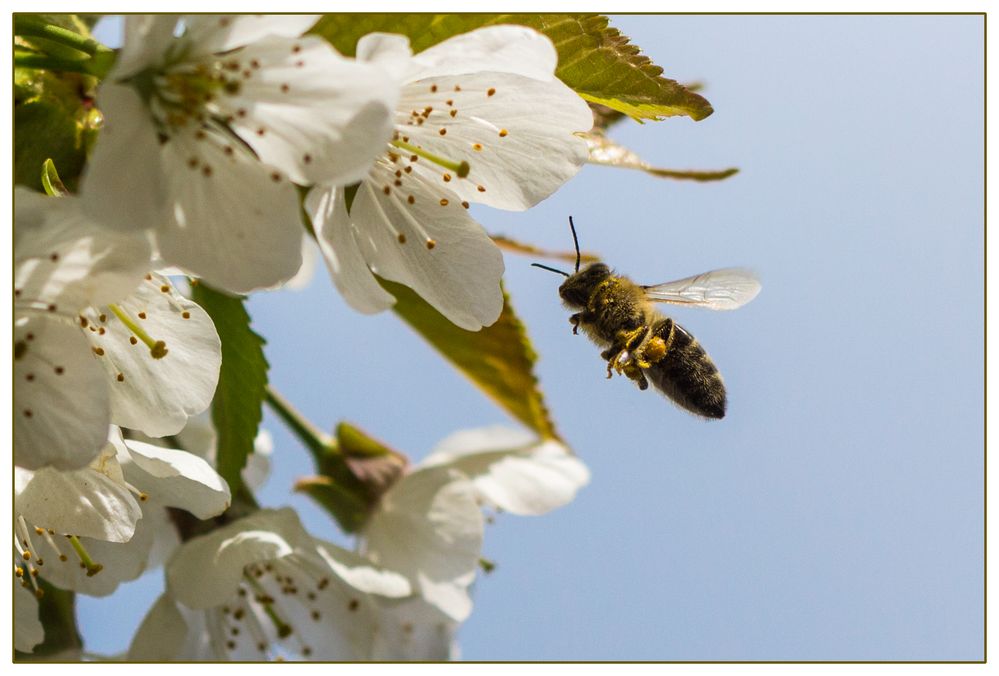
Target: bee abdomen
{"x": 686, "y": 373}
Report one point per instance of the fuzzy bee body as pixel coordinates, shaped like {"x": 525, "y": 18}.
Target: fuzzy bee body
{"x": 645, "y": 345}
{"x": 641, "y": 343}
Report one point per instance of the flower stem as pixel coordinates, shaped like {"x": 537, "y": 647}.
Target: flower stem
{"x": 461, "y": 168}
{"x": 63, "y": 36}
{"x": 46, "y": 62}
{"x": 321, "y": 445}
{"x": 157, "y": 348}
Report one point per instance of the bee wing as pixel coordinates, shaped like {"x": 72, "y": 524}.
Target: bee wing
{"x": 724, "y": 289}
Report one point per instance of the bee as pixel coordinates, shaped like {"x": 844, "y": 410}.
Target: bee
{"x": 645, "y": 345}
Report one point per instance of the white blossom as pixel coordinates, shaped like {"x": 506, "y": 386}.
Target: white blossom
{"x": 481, "y": 119}
{"x": 98, "y": 339}
{"x": 263, "y": 588}
{"x": 207, "y": 132}
{"x": 91, "y": 529}
{"x": 429, "y": 526}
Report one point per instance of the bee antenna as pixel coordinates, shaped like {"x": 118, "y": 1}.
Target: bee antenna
{"x": 574, "y": 241}
{"x": 545, "y": 267}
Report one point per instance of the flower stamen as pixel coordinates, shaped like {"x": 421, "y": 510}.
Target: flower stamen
{"x": 461, "y": 168}
{"x": 157, "y": 348}
{"x": 92, "y": 566}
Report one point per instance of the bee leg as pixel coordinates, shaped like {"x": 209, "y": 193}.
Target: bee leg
{"x": 574, "y": 320}
{"x": 633, "y": 369}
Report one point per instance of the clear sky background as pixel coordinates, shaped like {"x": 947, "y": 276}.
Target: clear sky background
{"x": 836, "y": 513}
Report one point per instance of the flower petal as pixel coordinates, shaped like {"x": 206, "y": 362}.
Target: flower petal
{"x": 413, "y": 630}
{"x": 388, "y": 51}
{"x": 236, "y": 222}
{"x": 81, "y": 502}
{"x": 313, "y": 114}
{"x": 146, "y": 39}
{"x": 517, "y": 156}
{"x": 64, "y": 261}
{"x": 429, "y": 528}
{"x": 120, "y": 562}
{"x": 499, "y": 49}
{"x": 176, "y": 478}
{"x": 512, "y": 469}
{"x": 61, "y": 406}
{"x": 157, "y": 395}
{"x": 220, "y": 33}
{"x": 360, "y": 574}
{"x": 162, "y": 635}
{"x": 447, "y": 258}
{"x": 28, "y": 630}
{"x": 126, "y": 163}
{"x": 207, "y": 570}
{"x": 337, "y": 240}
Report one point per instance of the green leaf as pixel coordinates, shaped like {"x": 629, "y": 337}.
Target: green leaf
{"x": 499, "y": 359}
{"x": 596, "y": 60}
{"x": 236, "y": 408}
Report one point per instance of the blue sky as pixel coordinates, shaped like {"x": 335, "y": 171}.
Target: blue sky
{"x": 836, "y": 513}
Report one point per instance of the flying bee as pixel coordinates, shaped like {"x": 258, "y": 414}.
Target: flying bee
{"x": 643, "y": 344}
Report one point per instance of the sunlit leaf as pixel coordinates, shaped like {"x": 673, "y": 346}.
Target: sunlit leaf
{"x": 596, "y": 60}
{"x": 236, "y": 408}
{"x": 499, "y": 359}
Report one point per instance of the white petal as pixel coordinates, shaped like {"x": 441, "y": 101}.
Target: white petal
{"x": 66, "y": 261}
{"x": 517, "y": 155}
{"x": 499, "y": 49}
{"x": 429, "y": 528}
{"x": 512, "y": 470}
{"x": 126, "y": 163}
{"x": 413, "y": 630}
{"x": 207, "y": 570}
{"x": 459, "y": 276}
{"x": 360, "y": 574}
{"x": 61, "y": 406}
{"x": 220, "y": 33}
{"x": 337, "y": 240}
{"x": 176, "y": 479}
{"x": 166, "y": 538}
{"x": 120, "y": 562}
{"x": 28, "y": 630}
{"x": 162, "y": 634}
{"x": 388, "y": 51}
{"x": 81, "y": 502}
{"x": 154, "y": 395}
{"x": 236, "y": 222}
{"x": 146, "y": 39}
{"x": 303, "y": 277}
{"x": 313, "y": 114}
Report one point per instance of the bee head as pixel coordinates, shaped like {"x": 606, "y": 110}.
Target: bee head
{"x": 577, "y": 290}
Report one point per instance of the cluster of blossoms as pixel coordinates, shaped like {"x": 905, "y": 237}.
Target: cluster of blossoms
{"x": 214, "y": 129}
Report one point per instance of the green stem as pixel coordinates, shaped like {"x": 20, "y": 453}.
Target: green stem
{"x": 321, "y": 445}
{"x": 46, "y": 62}
{"x": 62, "y": 36}
{"x": 461, "y": 168}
